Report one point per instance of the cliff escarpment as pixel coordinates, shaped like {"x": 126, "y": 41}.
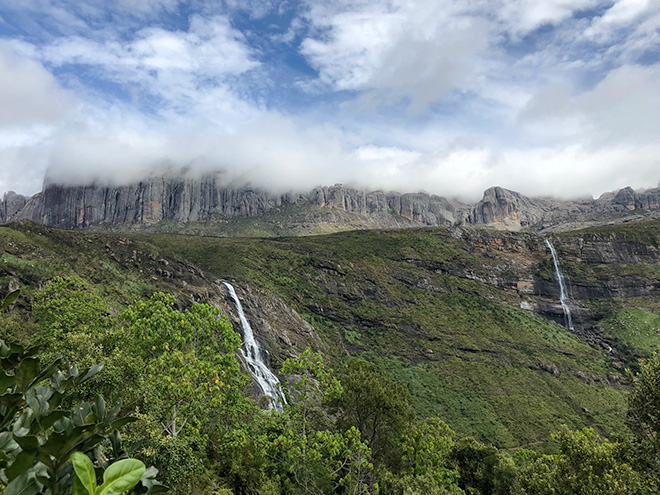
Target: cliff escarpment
{"x": 209, "y": 205}
{"x": 207, "y": 199}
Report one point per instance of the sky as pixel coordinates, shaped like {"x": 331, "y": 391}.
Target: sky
{"x": 547, "y": 97}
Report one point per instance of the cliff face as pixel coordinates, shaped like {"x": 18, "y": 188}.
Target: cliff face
{"x": 147, "y": 203}
{"x": 10, "y": 205}
{"x": 186, "y": 200}
{"x": 200, "y": 200}
{"x": 605, "y": 269}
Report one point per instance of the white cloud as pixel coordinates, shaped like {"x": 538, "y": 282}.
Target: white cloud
{"x": 177, "y": 66}
{"x": 416, "y": 51}
{"x": 623, "y": 107}
{"x": 524, "y": 120}
{"x": 520, "y": 17}
{"x": 29, "y": 94}
{"x": 622, "y": 14}
{"x": 32, "y": 105}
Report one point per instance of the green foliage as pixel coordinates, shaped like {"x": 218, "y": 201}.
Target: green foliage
{"x": 644, "y": 410}
{"x": 191, "y": 370}
{"x": 302, "y": 450}
{"x": 192, "y": 383}
{"x": 481, "y": 468}
{"x": 9, "y": 299}
{"x": 461, "y": 348}
{"x": 586, "y": 464}
{"x": 78, "y": 326}
{"x": 426, "y": 465}
{"x": 427, "y": 446}
{"x": 67, "y": 305}
{"x": 377, "y": 405}
{"x": 120, "y": 477}
{"x": 313, "y": 386}
{"x": 38, "y": 437}
{"x": 466, "y": 351}
{"x": 634, "y": 332}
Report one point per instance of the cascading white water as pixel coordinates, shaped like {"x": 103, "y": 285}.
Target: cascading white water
{"x": 253, "y": 355}
{"x": 561, "y": 281}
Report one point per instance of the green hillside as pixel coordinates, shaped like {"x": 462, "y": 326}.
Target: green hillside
{"x": 464, "y": 349}
{"x": 435, "y": 310}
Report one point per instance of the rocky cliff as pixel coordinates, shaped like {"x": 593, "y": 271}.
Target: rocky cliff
{"x": 11, "y": 205}
{"x": 186, "y": 200}
{"x": 205, "y": 200}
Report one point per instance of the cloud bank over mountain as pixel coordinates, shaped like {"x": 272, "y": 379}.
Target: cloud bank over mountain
{"x": 450, "y": 97}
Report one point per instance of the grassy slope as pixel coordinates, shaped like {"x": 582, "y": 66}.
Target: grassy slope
{"x": 119, "y": 269}
{"x": 465, "y": 350}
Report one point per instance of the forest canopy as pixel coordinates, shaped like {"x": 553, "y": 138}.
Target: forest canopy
{"x": 171, "y": 394}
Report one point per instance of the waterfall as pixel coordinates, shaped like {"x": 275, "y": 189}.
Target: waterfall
{"x": 253, "y": 354}
{"x": 561, "y": 281}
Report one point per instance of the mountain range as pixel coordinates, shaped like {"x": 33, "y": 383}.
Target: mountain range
{"x": 208, "y": 205}
{"x": 468, "y": 318}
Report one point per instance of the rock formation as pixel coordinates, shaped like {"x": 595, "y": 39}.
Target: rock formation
{"x": 185, "y": 200}
{"x": 10, "y": 205}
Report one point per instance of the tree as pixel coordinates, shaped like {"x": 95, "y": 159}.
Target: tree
{"x": 378, "y": 406}
{"x": 482, "y": 469}
{"x": 586, "y": 464}
{"x": 78, "y": 325}
{"x": 299, "y": 446}
{"x": 644, "y": 410}
{"x": 38, "y": 437}
{"x": 69, "y": 304}
{"x": 192, "y": 391}
{"x": 191, "y": 367}
{"x": 426, "y": 464}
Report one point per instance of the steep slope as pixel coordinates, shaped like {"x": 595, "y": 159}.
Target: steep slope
{"x": 440, "y": 309}
{"x": 207, "y": 199}
{"x": 122, "y": 269}
{"x": 11, "y": 205}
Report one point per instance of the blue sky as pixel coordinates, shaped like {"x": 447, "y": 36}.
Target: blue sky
{"x": 548, "y": 97}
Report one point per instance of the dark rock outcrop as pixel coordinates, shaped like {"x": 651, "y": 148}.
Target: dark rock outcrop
{"x": 10, "y": 205}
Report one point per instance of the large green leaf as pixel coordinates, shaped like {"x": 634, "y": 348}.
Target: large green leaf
{"x": 26, "y": 373}
{"x": 121, "y": 477}
{"x": 38, "y": 402}
{"x": 25, "y": 484}
{"x": 100, "y": 407}
{"x": 28, "y": 443}
{"x": 53, "y": 418}
{"x": 91, "y": 372}
{"x": 78, "y": 488}
{"x": 151, "y": 486}
{"x": 21, "y": 464}
{"x": 119, "y": 423}
{"x": 84, "y": 469}
{"x": 5, "y": 381}
{"x": 7, "y": 443}
{"x": 11, "y": 297}
{"x": 49, "y": 370}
